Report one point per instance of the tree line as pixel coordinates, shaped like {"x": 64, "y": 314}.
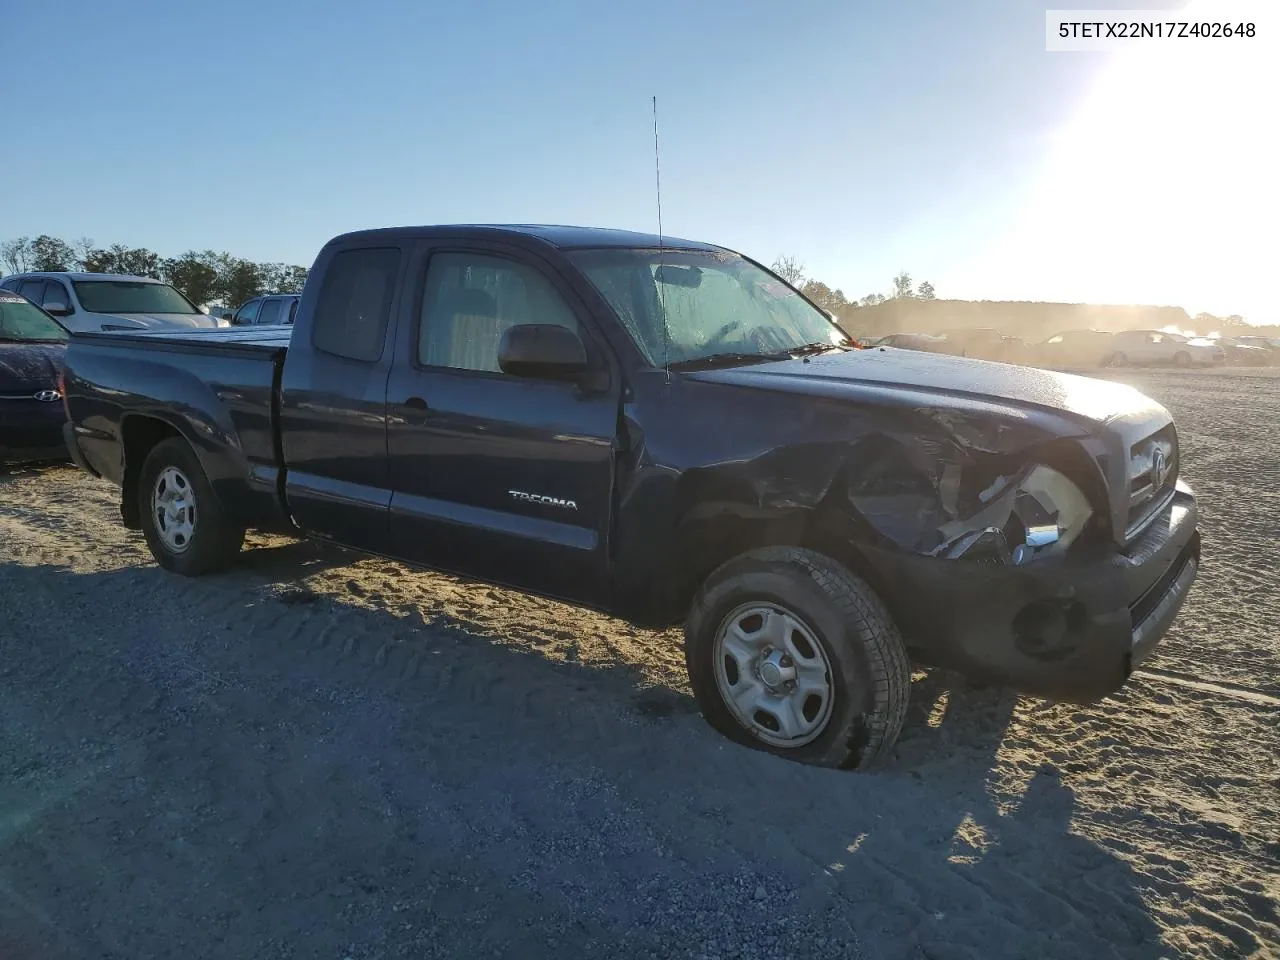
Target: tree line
{"x": 834, "y": 301}
{"x": 203, "y": 276}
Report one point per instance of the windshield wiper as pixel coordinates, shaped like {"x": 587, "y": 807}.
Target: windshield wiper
{"x": 818, "y": 347}
{"x": 729, "y": 360}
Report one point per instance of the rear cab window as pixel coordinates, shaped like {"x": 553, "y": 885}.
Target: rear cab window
{"x": 354, "y": 304}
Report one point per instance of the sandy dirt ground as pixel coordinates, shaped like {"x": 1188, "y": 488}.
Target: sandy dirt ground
{"x": 319, "y": 756}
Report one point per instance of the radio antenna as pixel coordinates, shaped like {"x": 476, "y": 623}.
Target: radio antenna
{"x": 662, "y": 295}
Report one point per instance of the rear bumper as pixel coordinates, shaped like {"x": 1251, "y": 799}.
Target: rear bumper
{"x": 1068, "y": 631}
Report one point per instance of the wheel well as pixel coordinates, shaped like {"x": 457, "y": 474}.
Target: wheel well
{"x": 139, "y": 436}
{"x": 716, "y": 542}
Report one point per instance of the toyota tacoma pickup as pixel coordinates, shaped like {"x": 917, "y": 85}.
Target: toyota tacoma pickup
{"x": 666, "y": 431}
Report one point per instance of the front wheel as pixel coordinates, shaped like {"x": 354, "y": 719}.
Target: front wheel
{"x": 186, "y": 526}
{"x": 790, "y": 653}
{"x": 1182, "y": 359}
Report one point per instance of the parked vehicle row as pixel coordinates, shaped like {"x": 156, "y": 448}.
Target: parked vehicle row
{"x": 1085, "y": 349}
{"x": 667, "y": 431}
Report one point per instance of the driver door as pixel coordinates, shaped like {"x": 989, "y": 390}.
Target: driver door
{"x": 503, "y": 478}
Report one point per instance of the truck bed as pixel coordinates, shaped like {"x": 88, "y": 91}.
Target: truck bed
{"x": 250, "y": 339}
{"x": 214, "y": 387}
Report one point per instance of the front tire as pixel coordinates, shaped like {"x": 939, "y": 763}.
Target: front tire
{"x": 1182, "y": 359}
{"x": 790, "y": 653}
{"x": 186, "y": 527}
{"x": 1117, "y": 359}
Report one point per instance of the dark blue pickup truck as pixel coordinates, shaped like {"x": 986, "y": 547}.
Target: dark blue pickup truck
{"x": 667, "y": 431}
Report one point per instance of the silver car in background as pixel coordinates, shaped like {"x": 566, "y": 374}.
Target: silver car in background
{"x": 1141, "y": 348}
{"x": 91, "y": 302}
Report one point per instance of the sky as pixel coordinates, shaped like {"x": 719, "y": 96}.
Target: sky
{"x": 862, "y": 138}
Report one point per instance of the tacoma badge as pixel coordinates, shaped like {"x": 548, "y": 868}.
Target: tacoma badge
{"x": 539, "y": 498}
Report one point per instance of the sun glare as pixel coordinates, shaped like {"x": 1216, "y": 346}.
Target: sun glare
{"x": 1161, "y": 188}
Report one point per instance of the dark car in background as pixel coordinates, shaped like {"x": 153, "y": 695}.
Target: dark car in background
{"x": 1074, "y": 349}
{"x": 33, "y": 347}
{"x": 985, "y": 343}
{"x": 268, "y": 310}
{"x": 1250, "y": 351}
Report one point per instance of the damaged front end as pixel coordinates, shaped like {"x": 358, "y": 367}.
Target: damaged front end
{"x": 943, "y": 499}
{"x": 1003, "y": 564}
{"x": 1036, "y": 513}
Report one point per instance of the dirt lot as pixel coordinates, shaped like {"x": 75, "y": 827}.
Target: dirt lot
{"x": 319, "y": 756}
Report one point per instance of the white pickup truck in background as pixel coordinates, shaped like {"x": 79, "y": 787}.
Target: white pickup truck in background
{"x": 93, "y": 302}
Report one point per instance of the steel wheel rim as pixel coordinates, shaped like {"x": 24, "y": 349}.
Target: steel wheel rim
{"x": 773, "y": 674}
{"x": 173, "y": 507}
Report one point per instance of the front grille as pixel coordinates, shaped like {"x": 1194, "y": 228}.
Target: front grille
{"x": 1152, "y": 475}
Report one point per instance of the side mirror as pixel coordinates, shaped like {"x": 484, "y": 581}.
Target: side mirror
{"x": 542, "y": 351}
{"x": 56, "y": 308}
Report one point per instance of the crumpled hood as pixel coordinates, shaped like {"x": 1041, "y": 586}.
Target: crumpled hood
{"x": 163, "y": 321}
{"x": 918, "y": 375}
{"x": 28, "y": 367}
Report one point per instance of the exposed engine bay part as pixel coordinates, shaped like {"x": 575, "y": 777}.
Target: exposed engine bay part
{"x": 1040, "y": 515}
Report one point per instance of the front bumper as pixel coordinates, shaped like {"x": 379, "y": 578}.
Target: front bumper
{"x": 1064, "y": 629}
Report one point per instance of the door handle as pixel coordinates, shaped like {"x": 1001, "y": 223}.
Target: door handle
{"x": 416, "y": 403}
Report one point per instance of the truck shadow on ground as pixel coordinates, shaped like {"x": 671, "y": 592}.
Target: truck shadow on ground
{"x": 298, "y": 747}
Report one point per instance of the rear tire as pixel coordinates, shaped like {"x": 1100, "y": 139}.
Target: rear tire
{"x": 849, "y": 677}
{"x": 187, "y": 528}
{"x": 1182, "y": 359}
{"x": 1116, "y": 359}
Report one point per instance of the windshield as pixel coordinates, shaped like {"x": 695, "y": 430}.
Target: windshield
{"x": 130, "y": 296}
{"x": 714, "y": 304}
{"x": 21, "y": 321}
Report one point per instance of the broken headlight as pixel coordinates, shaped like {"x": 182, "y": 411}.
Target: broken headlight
{"x": 1041, "y": 514}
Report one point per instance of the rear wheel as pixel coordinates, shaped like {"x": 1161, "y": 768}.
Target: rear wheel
{"x": 185, "y": 525}
{"x": 1117, "y": 359}
{"x": 790, "y": 653}
{"x": 1182, "y": 359}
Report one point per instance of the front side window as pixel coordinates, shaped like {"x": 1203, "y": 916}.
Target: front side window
{"x": 248, "y": 313}
{"x": 471, "y": 299}
{"x": 54, "y": 292}
{"x": 23, "y": 322}
{"x": 354, "y": 304}
{"x": 684, "y": 306}
{"x": 130, "y": 296}
{"x": 33, "y": 290}
{"x": 270, "y": 310}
